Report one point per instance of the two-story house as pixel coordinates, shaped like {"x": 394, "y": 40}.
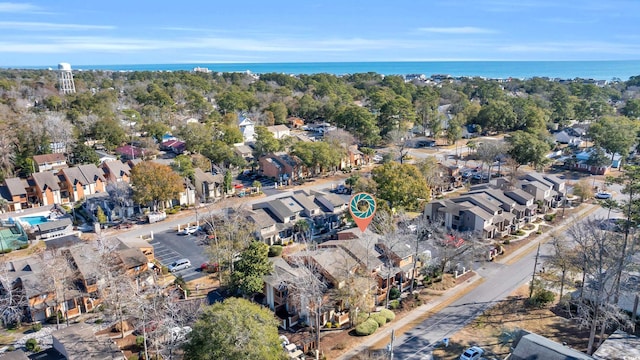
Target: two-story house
{"x": 525, "y": 203}
{"x": 14, "y": 192}
{"x": 276, "y": 292}
{"x": 461, "y": 216}
{"x": 279, "y": 131}
{"x": 543, "y": 193}
{"x": 208, "y": 186}
{"x": 116, "y": 171}
{"x": 44, "y": 189}
{"x": 281, "y": 166}
{"x": 78, "y": 182}
{"x": 266, "y": 229}
{"x": 48, "y": 162}
{"x": 247, "y": 128}
{"x": 286, "y": 211}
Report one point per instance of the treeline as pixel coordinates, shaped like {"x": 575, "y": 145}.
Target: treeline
{"x": 115, "y": 108}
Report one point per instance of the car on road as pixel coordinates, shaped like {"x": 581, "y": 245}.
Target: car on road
{"x": 377, "y": 158}
{"x": 472, "y": 353}
{"x": 189, "y": 230}
{"x": 178, "y": 265}
{"x": 603, "y": 195}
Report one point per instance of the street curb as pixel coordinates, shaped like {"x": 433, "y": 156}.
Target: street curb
{"x": 419, "y": 314}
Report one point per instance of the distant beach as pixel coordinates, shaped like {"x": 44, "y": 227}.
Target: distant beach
{"x": 599, "y": 70}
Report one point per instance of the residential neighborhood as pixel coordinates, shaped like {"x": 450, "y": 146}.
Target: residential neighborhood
{"x": 200, "y": 195}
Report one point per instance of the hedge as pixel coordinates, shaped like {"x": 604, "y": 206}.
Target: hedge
{"x": 388, "y": 314}
{"x": 367, "y": 328}
{"x": 379, "y": 318}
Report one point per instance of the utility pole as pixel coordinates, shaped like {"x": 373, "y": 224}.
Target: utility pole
{"x": 393, "y": 337}
{"x": 533, "y": 277}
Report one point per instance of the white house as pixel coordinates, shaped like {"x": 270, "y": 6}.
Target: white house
{"x": 247, "y": 128}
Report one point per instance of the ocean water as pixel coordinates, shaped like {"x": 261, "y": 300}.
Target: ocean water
{"x": 600, "y": 70}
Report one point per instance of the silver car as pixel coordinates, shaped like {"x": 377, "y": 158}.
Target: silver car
{"x": 178, "y": 265}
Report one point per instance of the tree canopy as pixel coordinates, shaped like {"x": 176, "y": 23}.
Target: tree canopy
{"x": 402, "y": 185}
{"x": 249, "y": 270}
{"x": 154, "y": 183}
{"x": 614, "y": 134}
{"x": 527, "y": 148}
{"x": 235, "y": 329}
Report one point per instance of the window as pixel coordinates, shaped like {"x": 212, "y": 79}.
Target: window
{"x": 292, "y": 218}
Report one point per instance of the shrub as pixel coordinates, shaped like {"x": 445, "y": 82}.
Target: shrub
{"x": 394, "y": 304}
{"x": 550, "y": 217}
{"x": 388, "y": 314}
{"x": 367, "y": 328}
{"x": 539, "y": 232}
{"x": 520, "y": 232}
{"x": 379, "y": 318}
{"x": 542, "y": 297}
{"x": 133, "y": 357}
{"x": 36, "y": 327}
{"x": 506, "y": 241}
{"x": 394, "y": 293}
{"x": 340, "y": 346}
{"x": 328, "y": 325}
{"x": 31, "y": 344}
{"x": 275, "y": 250}
{"x": 139, "y": 340}
{"x": 11, "y": 348}
{"x": 99, "y": 321}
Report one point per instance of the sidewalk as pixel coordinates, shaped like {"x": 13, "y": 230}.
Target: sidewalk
{"x": 420, "y": 312}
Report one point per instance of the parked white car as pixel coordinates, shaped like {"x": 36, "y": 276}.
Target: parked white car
{"x": 472, "y": 353}
{"x": 189, "y": 230}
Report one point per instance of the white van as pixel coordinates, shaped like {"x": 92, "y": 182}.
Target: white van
{"x": 179, "y": 265}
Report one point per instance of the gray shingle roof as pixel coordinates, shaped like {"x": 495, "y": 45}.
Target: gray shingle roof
{"x": 16, "y": 186}
{"x": 46, "y": 180}
{"x": 91, "y": 173}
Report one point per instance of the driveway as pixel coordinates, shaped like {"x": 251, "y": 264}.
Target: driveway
{"x": 169, "y": 247}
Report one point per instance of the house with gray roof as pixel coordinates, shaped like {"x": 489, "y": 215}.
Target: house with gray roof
{"x": 44, "y": 189}
{"x": 116, "y": 171}
{"x": 330, "y": 202}
{"x": 78, "y": 341}
{"x": 276, "y": 292}
{"x": 14, "y": 192}
{"x": 208, "y": 186}
{"x": 266, "y": 229}
{"x": 619, "y": 346}
{"x": 533, "y": 346}
{"x": 310, "y": 208}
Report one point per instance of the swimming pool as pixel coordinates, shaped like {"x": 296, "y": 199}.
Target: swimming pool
{"x": 34, "y": 220}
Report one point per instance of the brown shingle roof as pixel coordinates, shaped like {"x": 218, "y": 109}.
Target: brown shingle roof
{"x": 48, "y": 158}
{"x": 91, "y": 173}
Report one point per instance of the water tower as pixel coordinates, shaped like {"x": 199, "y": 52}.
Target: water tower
{"x": 65, "y": 79}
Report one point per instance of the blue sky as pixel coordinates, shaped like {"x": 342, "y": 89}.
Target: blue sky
{"x": 44, "y": 33}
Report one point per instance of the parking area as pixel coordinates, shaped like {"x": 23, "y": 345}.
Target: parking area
{"x": 169, "y": 246}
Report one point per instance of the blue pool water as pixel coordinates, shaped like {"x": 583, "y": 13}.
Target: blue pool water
{"x": 34, "y": 220}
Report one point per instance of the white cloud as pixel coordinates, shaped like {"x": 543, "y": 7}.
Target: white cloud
{"x": 457, "y": 30}
{"x": 46, "y": 26}
{"x": 9, "y": 7}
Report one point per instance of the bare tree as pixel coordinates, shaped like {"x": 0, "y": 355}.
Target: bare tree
{"x": 58, "y": 271}
{"x": 600, "y": 251}
{"x": 490, "y": 151}
{"x": 115, "y": 286}
{"x": 13, "y": 298}
{"x": 307, "y": 290}
{"x": 401, "y": 141}
{"x": 563, "y": 260}
{"x": 232, "y": 233}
